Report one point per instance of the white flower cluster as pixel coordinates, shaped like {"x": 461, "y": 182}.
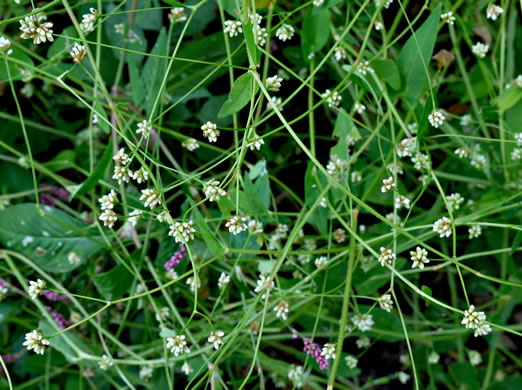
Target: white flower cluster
{"x": 285, "y": 32}
{"x": 216, "y": 338}
{"x": 236, "y": 225}
{"x": 210, "y": 131}
{"x": 364, "y": 68}
{"x": 34, "y": 341}
{"x": 105, "y": 363}
{"x": 282, "y": 310}
{"x": 177, "y": 345}
{"x": 455, "y": 201}
{"x": 107, "y": 204}
{"x": 264, "y": 284}
{"x": 255, "y": 142}
{"x": 340, "y": 235}
{"x": 436, "y": 118}
{"x": 78, "y": 52}
{"x": 385, "y": 302}
{"x": 474, "y": 231}
{"x": 212, "y": 190}
{"x": 443, "y": 227}
{"x": 364, "y": 322}
{"x": 5, "y": 46}
{"x": 388, "y": 184}
{"x": 474, "y": 319}
{"x": 233, "y": 28}
{"x": 406, "y": 147}
{"x": 193, "y": 283}
{"x": 419, "y": 257}
{"x": 387, "y": 256}
{"x": 144, "y": 127}
{"x": 36, "y": 288}
{"x": 402, "y": 201}
{"x": 190, "y": 144}
{"x": 273, "y": 83}
{"x": 141, "y": 175}
{"x": 296, "y": 375}
{"x": 328, "y": 351}
{"x": 461, "y": 152}
{"x": 351, "y": 361}
{"x": 177, "y": 15}
{"x": 339, "y": 53}
{"x": 320, "y": 261}
{"x": 493, "y": 11}
{"x": 480, "y": 49}
{"x": 88, "y": 21}
{"x": 36, "y": 29}
{"x": 224, "y": 280}
{"x": 182, "y": 231}
{"x": 448, "y": 17}
{"x": 151, "y": 198}
{"x": 336, "y": 167}
{"x": 334, "y": 100}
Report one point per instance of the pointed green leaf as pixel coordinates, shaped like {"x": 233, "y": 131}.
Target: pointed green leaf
{"x": 240, "y": 95}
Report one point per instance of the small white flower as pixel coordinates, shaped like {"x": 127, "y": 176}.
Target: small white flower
{"x": 177, "y": 345}
{"x": 454, "y": 201}
{"x": 274, "y": 101}
{"x": 224, "y": 280}
{"x": 436, "y": 118}
{"x": 387, "y": 256}
{"x": 260, "y": 35}
{"x": 88, "y": 21}
{"x": 359, "y": 108}
{"x": 473, "y": 318}
{"x": 443, "y": 227}
{"x": 378, "y": 26}
{"x": 413, "y": 127}
{"x": 37, "y": 30}
{"x": 285, "y": 32}
{"x": 406, "y": 147}
{"x": 78, "y": 52}
{"x": 320, "y": 261}
{"x": 461, "y": 152}
{"x": 339, "y": 53}
{"x": 107, "y": 201}
{"x": 121, "y": 158}
{"x": 403, "y": 377}
{"x": 364, "y": 322}
{"x": 122, "y": 173}
{"x": 264, "y": 284}
{"x": 119, "y": 28}
{"x": 216, "y": 338}
{"x": 282, "y": 310}
{"x": 36, "y": 288}
{"x": 177, "y": 15}
{"x": 210, "y": 131}
{"x": 212, "y": 191}
{"x": 395, "y": 169}
{"x": 482, "y": 329}
{"x": 323, "y": 203}
{"x": 433, "y": 357}
{"x": 386, "y": 3}
{"x": 164, "y": 216}
{"x": 297, "y": 376}
{"x": 193, "y": 283}
{"x": 73, "y": 258}
{"x": 144, "y": 127}
{"x": 466, "y": 120}
{"x": 190, "y": 144}
{"x": 385, "y": 302}
{"x": 351, "y": 361}
{"x": 402, "y": 201}
{"x": 474, "y": 231}
{"x": 141, "y": 175}
{"x": 478, "y": 160}
{"x": 364, "y": 68}
{"x": 318, "y": 3}
{"x": 162, "y": 314}
{"x": 388, "y": 184}
{"x": 480, "y": 49}
{"x": 419, "y": 257}
{"x": 362, "y": 342}
{"x": 518, "y": 81}
{"x": 356, "y": 177}
{"x": 236, "y": 225}
{"x": 186, "y": 368}
{"x": 273, "y": 83}
{"x": 108, "y": 217}
{"x": 448, "y": 17}
{"x": 334, "y": 100}
{"x": 134, "y": 217}
{"x": 3, "y": 290}
{"x": 255, "y": 227}
{"x": 36, "y": 342}
{"x": 146, "y": 373}
{"x": 340, "y": 235}
{"x": 255, "y": 142}
{"x": 182, "y": 231}
{"x": 474, "y": 358}
{"x": 151, "y": 198}
{"x": 5, "y": 46}
{"x": 516, "y": 154}
{"x": 105, "y": 362}
{"x": 328, "y": 351}
{"x": 493, "y": 11}
{"x": 336, "y": 167}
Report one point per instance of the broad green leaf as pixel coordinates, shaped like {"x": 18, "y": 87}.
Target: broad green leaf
{"x": 63, "y": 343}
{"x": 315, "y": 31}
{"x": 63, "y": 160}
{"x": 240, "y": 95}
{"x": 114, "y": 283}
{"x": 49, "y": 239}
{"x": 213, "y": 245}
{"x": 262, "y": 185}
{"x": 464, "y": 374}
{"x": 14, "y": 67}
{"x": 508, "y": 98}
{"x": 266, "y": 266}
{"x": 154, "y": 71}
{"x": 175, "y": 3}
{"x": 424, "y": 124}
{"x": 248, "y": 31}
{"x": 138, "y": 89}
{"x": 415, "y": 57}
{"x": 253, "y": 198}
{"x": 97, "y": 174}
{"x": 344, "y": 127}
{"x": 258, "y": 169}
{"x": 366, "y": 82}
{"x": 388, "y": 71}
